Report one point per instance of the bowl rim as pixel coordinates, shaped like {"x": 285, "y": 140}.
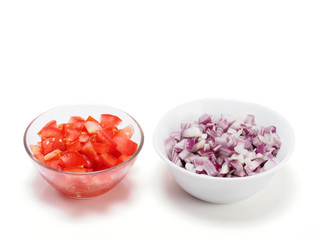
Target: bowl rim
{"x": 214, "y": 178}
{"x": 83, "y": 173}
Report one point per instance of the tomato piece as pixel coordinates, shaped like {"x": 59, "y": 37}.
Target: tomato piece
{"x": 90, "y": 152}
{"x": 116, "y": 153}
{"x": 125, "y": 146}
{"x": 108, "y": 159}
{"x": 84, "y": 137}
{"x": 84, "y": 145}
{"x": 104, "y": 137}
{"x": 73, "y": 160}
{"x": 47, "y": 132}
{"x": 54, "y": 164}
{"x": 54, "y": 155}
{"x": 102, "y": 147}
{"x": 92, "y": 127}
{"x": 111, "y": 131}
{"x": 76, "y": 119}
{"x": 52, "y": 123}
{"x": 71, "y": 134}
{"x": 91, "y": 119}
{"x": 74, "y": 146}
{"x": 37, "y": 152}
{"x": 126, "y": 132}
{"x": 123, "y": 158}
{"x": 52, "y": 143}
{"x": 109, "y": 121}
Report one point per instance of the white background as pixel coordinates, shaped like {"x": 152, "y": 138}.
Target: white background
{"x": 146, "y": 57}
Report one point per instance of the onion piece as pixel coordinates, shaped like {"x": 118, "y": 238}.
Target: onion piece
{"x": 224, "y": 146}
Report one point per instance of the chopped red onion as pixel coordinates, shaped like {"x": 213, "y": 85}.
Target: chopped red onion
{"x": 224, "y": 146}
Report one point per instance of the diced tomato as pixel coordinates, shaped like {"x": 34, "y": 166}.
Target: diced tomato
{"x": 84, "y": 137}
{"x": 123, "y": 157}
{"x": 52, "y": 143}
{"x": 92, "y": 127}
{"x": 37, "y": 152}
{"x": 84, "y": 145}
{"x": 116, "y": 153}
{"x": 108, "y": 159}
{"x": 126, "y": 132}
{"x": 76, "y": 119}
{"x": 54, "y": 155}
{"x": 71, "y": 134}
{"x": 91, "y": 119}
{"x": 52, "y": 123}
{"x": 73, "y": 160}
{"x": 103, "y": 136}
{"x": 48, "y": 132}
{"x": 54, "y": 164}
{"x": 102, "y": 147}
{"x": 74, "y": 146}
{"x": 125, "y": 146}
{"x": 111, "y": 131}
{"x": 109, "y": 121}
{"x": 90, "y": 152}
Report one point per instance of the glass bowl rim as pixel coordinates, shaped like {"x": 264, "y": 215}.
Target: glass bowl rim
{"x": 84, "y": 173}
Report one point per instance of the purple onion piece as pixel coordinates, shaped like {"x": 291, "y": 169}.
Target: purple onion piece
{"x": 224, "y": 146}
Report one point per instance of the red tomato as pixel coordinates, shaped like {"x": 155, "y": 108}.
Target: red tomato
{"x": 126, "y": 132}
{"x": 37, "y": 152}
{"x": 50, "y": 131}
{"x": 54, "y": 164}
{"x": 52, "y": 143}
{"x": 76, "y": 119}
{"x": 92, "y": 127}
{"x": 84, "y": 137}
{"x": 102, "y": 147}
{"x": 73, "y": 160}
{"x": 108, "y": 159}
{"x": 91, "y": 119}
{"x": 125, "y": 146}
{"x": 109, "y": 121}
{"x": 74, "y": 146}
{"x": 88, "y": 150}
{"x": 105, "y": 138}
{"x": 54, "y": 155}
{"x": 84, "y": 145}
{"x": 71, "y": 134}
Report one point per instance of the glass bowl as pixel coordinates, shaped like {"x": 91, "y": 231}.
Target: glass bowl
{"x": 82, "y": 185}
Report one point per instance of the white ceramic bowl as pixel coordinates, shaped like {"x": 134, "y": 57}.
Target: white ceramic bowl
{"x": 218, "y": 189}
